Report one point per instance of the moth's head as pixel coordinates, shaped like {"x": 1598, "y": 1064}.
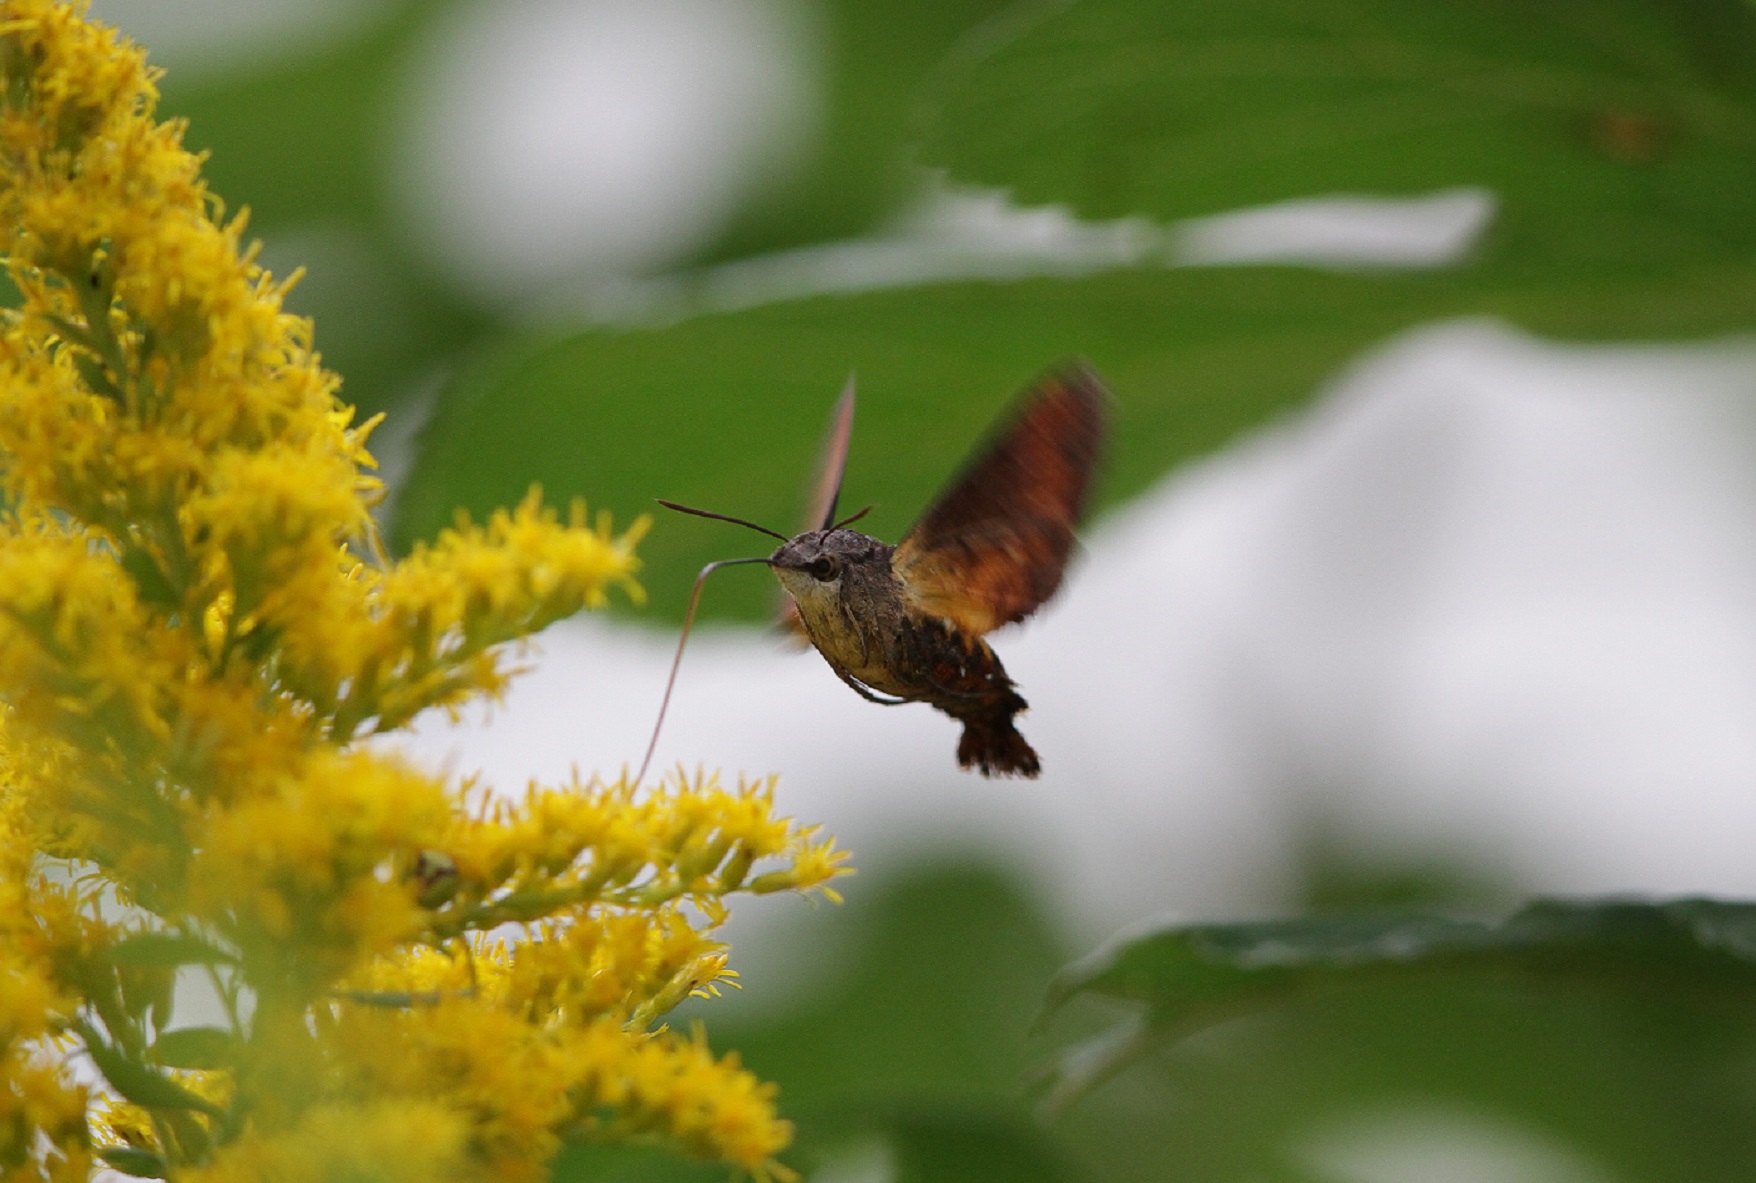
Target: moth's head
{"x": 811, "y": 566}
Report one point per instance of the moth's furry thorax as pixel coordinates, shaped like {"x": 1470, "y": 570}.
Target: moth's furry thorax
{"x": 848, "y": 600}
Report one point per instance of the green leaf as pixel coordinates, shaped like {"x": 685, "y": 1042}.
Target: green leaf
{"x": 196, "y": 1047}
{"x": 161, "y": 950}
{"x": 1614, "y": 131}
{"x": 1178, "y": 971}
{"x": 1192, "y": 977}
{"x": 142, "y": 1164}
{"x": 141, "y": 1084}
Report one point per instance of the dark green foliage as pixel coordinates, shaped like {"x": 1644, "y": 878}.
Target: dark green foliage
{"x": 1182, "y": 974}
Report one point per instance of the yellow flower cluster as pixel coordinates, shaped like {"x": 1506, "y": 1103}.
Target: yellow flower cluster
{"x": 42, "y": 1111}
{"x": 197, "y": 626}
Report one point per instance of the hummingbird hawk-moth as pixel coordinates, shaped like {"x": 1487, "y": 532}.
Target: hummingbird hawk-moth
{"x": 905, "y": 623}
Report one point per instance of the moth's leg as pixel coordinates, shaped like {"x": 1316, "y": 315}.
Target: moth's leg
{"x": 944, "y": 691}
{"x": 861, "y": 689}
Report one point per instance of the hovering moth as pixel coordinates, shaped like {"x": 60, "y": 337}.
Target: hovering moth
{"x": 906, "y": 623}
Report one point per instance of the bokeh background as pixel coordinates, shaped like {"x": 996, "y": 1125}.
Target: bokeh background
{"x": 1421, "y": 568}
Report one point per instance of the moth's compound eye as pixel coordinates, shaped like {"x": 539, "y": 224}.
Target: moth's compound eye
{"x": 824, "y": 569}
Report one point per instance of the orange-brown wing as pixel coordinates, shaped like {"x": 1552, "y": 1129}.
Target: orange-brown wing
{"x": 994, "y": 545}
{"x": 824, "y": 493}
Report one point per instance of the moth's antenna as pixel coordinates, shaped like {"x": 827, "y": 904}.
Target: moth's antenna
{"x": 720, "y": 517}
{"x": 682, "y": 639}
{"x": 852, "y": 518}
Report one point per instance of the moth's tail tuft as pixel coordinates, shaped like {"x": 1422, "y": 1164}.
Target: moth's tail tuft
{"x": 992, "y": 746}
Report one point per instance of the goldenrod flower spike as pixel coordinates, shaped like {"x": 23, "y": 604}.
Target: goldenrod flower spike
{"x": 421, "y": 980}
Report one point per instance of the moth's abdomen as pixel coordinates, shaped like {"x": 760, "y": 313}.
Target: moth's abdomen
{"x": 992, "y": 745}
{"x": 963, "y": 677}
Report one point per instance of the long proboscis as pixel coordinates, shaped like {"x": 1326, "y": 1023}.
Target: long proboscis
{"x": 682, "y": 640}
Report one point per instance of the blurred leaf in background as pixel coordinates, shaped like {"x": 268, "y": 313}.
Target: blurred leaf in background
{"x": 1116, "y": 110}
{"x": 1616, "y": 134}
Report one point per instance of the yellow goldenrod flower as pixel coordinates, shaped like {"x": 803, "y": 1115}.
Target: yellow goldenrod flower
{"x": 421, "y": 980}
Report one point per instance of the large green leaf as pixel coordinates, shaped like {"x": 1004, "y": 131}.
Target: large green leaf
{"x": 1615, "y": 132}
{"x": 724, "y": 411}
{"x": 1191, "y": 977}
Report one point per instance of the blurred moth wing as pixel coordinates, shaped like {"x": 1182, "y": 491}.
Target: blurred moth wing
{"x": 994, "y": 545}
{"x": 832, "y": 462}
{"x": 822, "y": 496}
